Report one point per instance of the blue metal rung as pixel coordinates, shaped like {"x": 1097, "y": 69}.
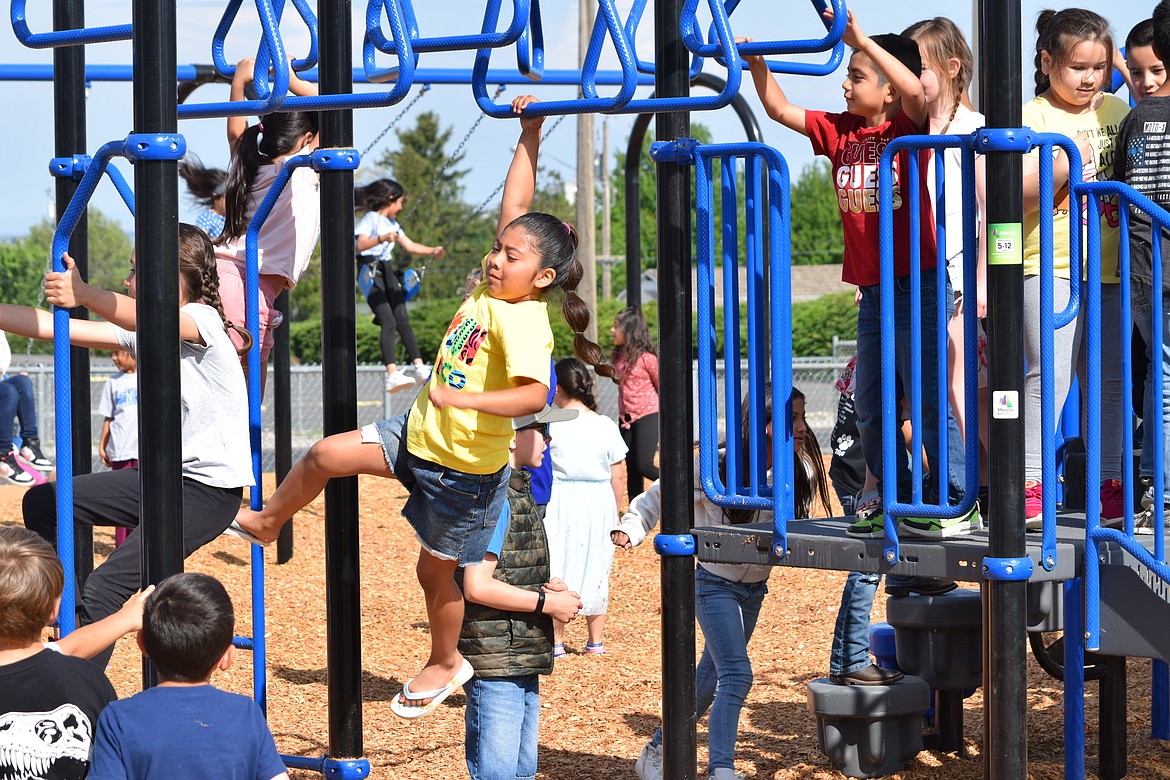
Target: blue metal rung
{"x": 341, "y": 159}
{"x": 342, "y": 768}
{"x": 49, "y": 40}
{"x": 1007, "y": 569}
{"x": 243, "y": 643}
{"x": 70, "y": 167}
{"x": 681, "y": 151}
{"x": 674, "y": 544}
{"x": 155, "y": 146}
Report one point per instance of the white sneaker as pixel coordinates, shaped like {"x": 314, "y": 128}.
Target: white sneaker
{"x": 10, "y": 471}
{"x": 399, "y": 380}
{"x": 723, "y": 773}
{"x": 649, "y": 764}
{"x": 420, "y": 371}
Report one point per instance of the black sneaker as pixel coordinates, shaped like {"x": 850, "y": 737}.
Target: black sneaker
{"x": 31, "y": 452}
{"x": 11, "y": 471}
{"x": 870, "y": 675}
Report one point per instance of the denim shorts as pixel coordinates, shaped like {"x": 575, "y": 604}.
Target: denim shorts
{"x": 453, "y": 513}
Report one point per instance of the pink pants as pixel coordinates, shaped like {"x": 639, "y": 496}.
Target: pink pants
{"x": 120, "y": 534}
{"x": 231, "y": 294}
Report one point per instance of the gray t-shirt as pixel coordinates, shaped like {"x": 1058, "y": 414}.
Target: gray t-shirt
{"x": 1143, "y": 162}
{"x": 215, "y": 405}
{"x": 119, "y": 405}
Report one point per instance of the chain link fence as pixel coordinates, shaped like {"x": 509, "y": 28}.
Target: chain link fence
{"x": 812, "y": 376}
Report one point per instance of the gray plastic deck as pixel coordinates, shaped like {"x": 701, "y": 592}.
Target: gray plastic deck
{"x": 823, "y": 544}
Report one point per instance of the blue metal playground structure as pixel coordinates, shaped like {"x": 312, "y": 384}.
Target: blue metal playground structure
{"x": 1114, "y": 586}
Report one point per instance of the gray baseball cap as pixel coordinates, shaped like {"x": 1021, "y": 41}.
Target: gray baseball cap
{"x": 549, "y": 414}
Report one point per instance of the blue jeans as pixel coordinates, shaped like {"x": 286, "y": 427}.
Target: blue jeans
{"x": 502, "y": 721}
{"x": 1141, "y": 298}
{"x": 727, "y": 613}
{"x": 18, "y": 403}
{"x": 868, "y": 394}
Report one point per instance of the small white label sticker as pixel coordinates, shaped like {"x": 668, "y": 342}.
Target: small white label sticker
{"x": 1005, "y": 405}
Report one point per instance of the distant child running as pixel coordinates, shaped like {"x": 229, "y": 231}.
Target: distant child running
{"x": 259, "y": 152}
{"x": 18, "y": 409}
{"x": 216, "y": 456}
{"x": 1074, "y": 49}
{"x": 185, "y": 726}
{"x": 207, "y": 187}
{"x": 884, "y": 100}
{"x": 512, "y": 603}
{"x": 636, "y": 363}
{"x": 728, "y": 596}
{"x": 1143, "y": 162}
{"x": 49, "y": 701}
{"x": 375, "y": 236}
{"x": 451, "y": 451}
{"x": 587, "y": 455}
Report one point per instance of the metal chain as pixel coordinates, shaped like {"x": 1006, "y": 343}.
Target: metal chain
{"x": 394, "y": 121}
{"x": 450, "y": 161}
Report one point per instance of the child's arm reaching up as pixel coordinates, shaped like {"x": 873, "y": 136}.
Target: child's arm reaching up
{"x": 520, "y": 184}
{"x": 908, "y": 85}
{"x": 775, "y": 101}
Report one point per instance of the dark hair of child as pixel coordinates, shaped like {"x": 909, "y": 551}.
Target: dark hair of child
{"x": 377, "y": 194}
{"x": 635, "y": 335}
{"x": 1160, "y": 37}
{"x": 903, "y": 49}
{"x": 809, "y": 488}
{"x": 1059, "y": 32}
{"x": 274, "y": 136}
{"x": 575, "y": 381}
{"x": 31, "y": 581}
{"x": 200, "y": 278}
{"x": 204, "y": 184}
{"x": 187, "y": 626}
{"x": 556, "y": 244}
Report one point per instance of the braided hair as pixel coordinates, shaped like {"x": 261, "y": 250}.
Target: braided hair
{"x": 200, "y": 279}
{"x": 555, "y": 242}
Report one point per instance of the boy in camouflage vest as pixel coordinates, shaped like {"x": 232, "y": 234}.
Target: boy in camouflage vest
{"x": 507, "y": 624}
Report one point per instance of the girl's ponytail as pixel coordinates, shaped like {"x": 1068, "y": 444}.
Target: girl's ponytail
{"x": 204, "y": 184}
{"x": 576, "y": 314}
{"x": 246, "y": 161}
{"x": 1043, "y": 27}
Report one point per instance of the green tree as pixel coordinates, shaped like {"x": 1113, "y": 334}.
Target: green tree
{"x": 109, "y": 249}
{"x": 816, "y": 221}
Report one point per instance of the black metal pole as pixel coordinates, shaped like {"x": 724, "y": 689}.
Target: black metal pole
{"x": 69, "y": 139}
{"x": 634, "y": 180}
{"x": 282, "y": 409}
{"x": 339, "y": 364}
{"x": 156, "y": 230}
{"x": 674, "y": 339}
{"x": 1005, "y": 747}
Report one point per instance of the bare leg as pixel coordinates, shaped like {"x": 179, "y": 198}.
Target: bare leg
{"x": 445, "y": 612}
{"x": 596, "y": 626}
{"x": 558, "y": 632}
{"x": 340, "y": 455}
{"x": 955, "y": 355}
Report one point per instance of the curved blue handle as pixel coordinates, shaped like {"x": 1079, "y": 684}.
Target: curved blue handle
{"x": 403, "y": 28}
{"x": 632, "y": 22}
{"x": 830, "y": 41}
{"x": 228, "y": 69}
{"x": 591, "y": 103}
{"x": 530, "y": 46}
{"x": 271, "y": 50}
{"x": 49, "y": 40}
{"x": 486, "y": 38}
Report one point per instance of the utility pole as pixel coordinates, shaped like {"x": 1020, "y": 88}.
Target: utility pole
{"x": 606, "y": 256}
{"x": 586, "y": 251}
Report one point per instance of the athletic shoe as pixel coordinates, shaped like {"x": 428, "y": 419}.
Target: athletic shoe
{"x": 399, "y": 380}
{"x": 725, "y": 773}
{"x": 649, "y": 764}
{"x": 1144, "y": 522}
{"x": 869, "y": 520}
{"x": 941, "y": 528}
{"x": 11, "y": 471}
{"x": 420, "y": 371}
{"x": 1112, "y": 502}
{"x": 870, "y": 675}
{"x": 595, "y": 649}
{"x": 31, "y": 452}
{"x": 1033, "y": 505}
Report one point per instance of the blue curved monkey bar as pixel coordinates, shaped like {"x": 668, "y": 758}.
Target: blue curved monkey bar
{"x": 49, "y": 40}
{"x": 133, "y": 147}
{"x": 908, "y": 181}
{"x": 487, "y": 38}
{"x": 318, "y": 160}
{"x": 830, "y": 42}
{"x": 744, "y": 485}
{"x": 647, "y": 66}
{"x": 218, "y": 40}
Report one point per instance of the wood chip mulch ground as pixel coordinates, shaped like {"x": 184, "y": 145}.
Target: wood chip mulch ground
{"x": 597, "y": 711}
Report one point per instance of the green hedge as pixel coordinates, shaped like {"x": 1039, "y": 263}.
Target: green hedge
{"x": 814, "y": 323}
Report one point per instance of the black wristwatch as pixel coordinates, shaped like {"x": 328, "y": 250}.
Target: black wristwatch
{"x": 539, "y": 603}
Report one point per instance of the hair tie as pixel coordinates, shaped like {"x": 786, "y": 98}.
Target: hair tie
{"x": 568, "y": 228}
{"x": 259, "y": 135}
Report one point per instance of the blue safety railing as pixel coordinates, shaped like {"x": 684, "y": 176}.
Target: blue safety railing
{"x": 134, "y": 147}
{"x": 608, "y": 23}
{"x": 49, "y": 40}
{"x": 319, "y": 160}
{"x": 744, "y": 480}
{"x": 830, "y": 42}
{"x": 908, "y": 179}
{"x": 74, "y": 168}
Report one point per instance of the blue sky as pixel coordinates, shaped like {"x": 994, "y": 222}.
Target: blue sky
{"x": 26, "y": 195}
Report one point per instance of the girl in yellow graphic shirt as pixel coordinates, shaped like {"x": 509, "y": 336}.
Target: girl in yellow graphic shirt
{"x": 1074, "y": 49}
{"x": 451, "y": 451}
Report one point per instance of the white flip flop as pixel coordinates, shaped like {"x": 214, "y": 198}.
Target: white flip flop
{"x": 411, "y": 712}
{"x": 238, "y": 531}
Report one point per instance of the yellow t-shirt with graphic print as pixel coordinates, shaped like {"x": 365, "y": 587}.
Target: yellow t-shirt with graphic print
{"x": 1102, "y": 127}
{"x": 489, "y": 344}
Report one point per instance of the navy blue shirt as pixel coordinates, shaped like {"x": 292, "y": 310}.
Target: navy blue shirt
{"x": 542, "y": 474}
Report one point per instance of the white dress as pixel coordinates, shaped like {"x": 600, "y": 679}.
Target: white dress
{"x": 582, "y": 510}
